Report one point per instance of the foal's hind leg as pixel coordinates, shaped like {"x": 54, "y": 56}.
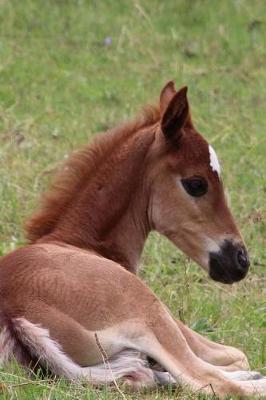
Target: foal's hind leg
{"x": 67, "y": 349}
{"x": 226, "y": 357}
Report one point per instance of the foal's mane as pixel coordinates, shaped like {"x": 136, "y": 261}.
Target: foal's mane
{"x": 76, "y": 171}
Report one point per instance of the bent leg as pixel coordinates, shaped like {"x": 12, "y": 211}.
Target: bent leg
{"x": 21, "y": 336}
{"x": 226, "y": 357}
{"x": 163, "y": 340}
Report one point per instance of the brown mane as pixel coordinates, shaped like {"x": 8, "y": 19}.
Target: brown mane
{"x": 77, "y": 170}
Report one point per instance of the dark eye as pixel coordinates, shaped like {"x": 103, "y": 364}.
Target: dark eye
{"x": 195, "y": 186}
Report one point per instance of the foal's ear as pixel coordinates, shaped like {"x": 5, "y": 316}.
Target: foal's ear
{"x": 175, "y": 115}
{"x": 167, "y": 93}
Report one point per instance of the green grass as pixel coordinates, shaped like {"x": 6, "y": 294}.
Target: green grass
{"x": 60, "y": 85}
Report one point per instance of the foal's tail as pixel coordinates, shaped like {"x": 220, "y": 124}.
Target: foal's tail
{"x": 31, "y": 344}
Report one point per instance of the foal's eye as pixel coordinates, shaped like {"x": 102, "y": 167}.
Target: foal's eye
{"x": 195, "y": 186}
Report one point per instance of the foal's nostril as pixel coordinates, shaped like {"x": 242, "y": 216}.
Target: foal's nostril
{"x": 242, "y": 259}
{"x": 230, "y": 264}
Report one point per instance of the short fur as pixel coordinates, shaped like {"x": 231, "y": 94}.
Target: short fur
{"x": 71, "y": 300}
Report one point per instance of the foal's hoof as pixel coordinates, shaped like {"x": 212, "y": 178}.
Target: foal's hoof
{"x": 258, "y": 376}
{"x": 243, "y": 375}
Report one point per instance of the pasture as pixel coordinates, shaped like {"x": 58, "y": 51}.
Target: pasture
{"x": 70, "y": 69}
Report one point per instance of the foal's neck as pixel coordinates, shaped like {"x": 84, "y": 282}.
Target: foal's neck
{"x": 110, "y": 215}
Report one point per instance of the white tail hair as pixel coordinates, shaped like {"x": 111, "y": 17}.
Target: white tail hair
{"x": 38, "y": 343}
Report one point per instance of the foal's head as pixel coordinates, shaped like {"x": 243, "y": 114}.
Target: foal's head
{"x": 187, "y": 200}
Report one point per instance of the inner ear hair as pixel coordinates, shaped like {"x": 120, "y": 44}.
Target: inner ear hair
{"x": 175, "y": 115}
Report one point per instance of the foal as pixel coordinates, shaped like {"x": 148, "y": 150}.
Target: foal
{"x": 72, "y": 295}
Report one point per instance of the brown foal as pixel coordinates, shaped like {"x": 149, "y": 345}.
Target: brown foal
{"x": 73, "y": 293}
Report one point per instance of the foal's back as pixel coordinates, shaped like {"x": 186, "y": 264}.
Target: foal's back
{"x": 78, "y": 283}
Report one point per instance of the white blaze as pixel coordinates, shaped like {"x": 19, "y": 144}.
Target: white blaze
{"x": 214, "y": 163}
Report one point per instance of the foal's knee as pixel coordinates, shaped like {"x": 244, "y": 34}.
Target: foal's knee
{"x": 239, "y": 360}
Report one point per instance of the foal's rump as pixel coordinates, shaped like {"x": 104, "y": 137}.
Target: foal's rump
{"x": 53, "y": 316}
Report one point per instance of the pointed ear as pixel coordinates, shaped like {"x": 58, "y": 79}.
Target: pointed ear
{"x": 167, "y": 93}
{"x": 175, "y": 115}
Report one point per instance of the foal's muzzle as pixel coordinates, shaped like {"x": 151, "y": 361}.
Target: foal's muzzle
{"x": 230, "y": 264}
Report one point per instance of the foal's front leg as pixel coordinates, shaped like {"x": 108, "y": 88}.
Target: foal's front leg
{"x": 226, "y": 357}
{"x": 159, "y": 336}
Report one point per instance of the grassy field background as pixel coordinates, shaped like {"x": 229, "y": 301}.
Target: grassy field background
{"x": 69, "y": 69}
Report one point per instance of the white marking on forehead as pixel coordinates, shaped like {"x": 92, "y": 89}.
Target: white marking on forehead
{"x": 214, "y": 163}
